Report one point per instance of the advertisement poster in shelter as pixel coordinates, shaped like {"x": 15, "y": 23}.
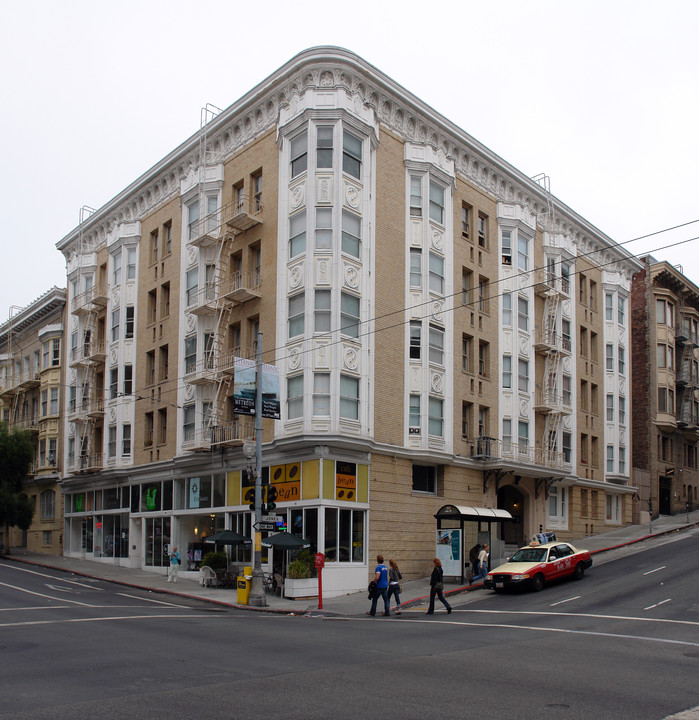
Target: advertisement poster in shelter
{"x": 449, "y": 551}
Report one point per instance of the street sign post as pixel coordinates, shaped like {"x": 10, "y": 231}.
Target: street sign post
{"x": 268, "y": 526}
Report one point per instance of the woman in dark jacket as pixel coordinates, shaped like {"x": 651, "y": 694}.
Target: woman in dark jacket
{"x": 437, "y": 587}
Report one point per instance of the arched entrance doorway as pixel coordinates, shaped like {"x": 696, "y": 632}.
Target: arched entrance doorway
{"x": 512, "y": 500}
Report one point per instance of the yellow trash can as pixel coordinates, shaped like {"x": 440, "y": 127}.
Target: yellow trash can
{"x": 243, "y": 583}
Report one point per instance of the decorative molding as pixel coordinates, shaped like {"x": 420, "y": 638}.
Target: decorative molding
{"x": 297, "y": 196}
{"x": 353, "y": 196}
{"x": 350, "y": 358}
{"x": 296, "y": 276}
{"x": 317, "y": 80}
{"x": 437, "y": 311}
{"x": 295, "y": 357}
{"x": 351, "y": 275}
{"x": 324, "y": 189}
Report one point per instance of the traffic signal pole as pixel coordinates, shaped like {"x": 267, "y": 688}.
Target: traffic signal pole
{"x": 257, "y": 592}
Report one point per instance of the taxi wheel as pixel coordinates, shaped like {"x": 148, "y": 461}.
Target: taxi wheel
{"x": 579, "y": 572}
{"x": 538, "y": 582}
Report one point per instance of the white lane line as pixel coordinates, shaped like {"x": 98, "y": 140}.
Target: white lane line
{"x": 650, "y": 572}
{"x": 662, "y": 602}
{"x": 51, "y": 577}
{"x": 584, "y": 615}
{"x": 37, "y": 607}
{"x": 102, "y": 619}
{"x": 534, "y": 628}
{"x": 44, "y": 595}
{"x": 577, "y": 597}
{"x": 157, "y": 602}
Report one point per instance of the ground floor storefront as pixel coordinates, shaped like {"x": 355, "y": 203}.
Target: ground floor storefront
{"x": 349, "y": 505}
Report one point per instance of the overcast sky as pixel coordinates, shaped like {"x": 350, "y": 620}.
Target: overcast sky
{"x": 601, "y": 96}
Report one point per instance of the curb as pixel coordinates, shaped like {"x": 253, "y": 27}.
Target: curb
{"x": 315, "y": 612}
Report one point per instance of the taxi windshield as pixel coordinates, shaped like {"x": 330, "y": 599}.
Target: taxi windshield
{"x": 529, "y": 555}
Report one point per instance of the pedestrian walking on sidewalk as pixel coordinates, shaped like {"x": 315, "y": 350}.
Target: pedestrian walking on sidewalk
{"x": 473, "y": 561}
{"x": 381, "y": 590}
{"x": 482, "y": 564}
{"x": 394, "y": 578}
{"x": 437, "y": 587}
{"x": 174, "y": 565}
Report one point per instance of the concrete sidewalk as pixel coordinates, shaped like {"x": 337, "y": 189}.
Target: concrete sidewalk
{"x": 415, "y": 592}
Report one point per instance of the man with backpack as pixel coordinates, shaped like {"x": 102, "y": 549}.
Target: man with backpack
{"x": 381, "y": 589}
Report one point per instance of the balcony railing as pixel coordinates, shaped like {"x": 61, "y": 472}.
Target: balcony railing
{"x": 201, "y": 371}
{"x": 239, "y": 216}
{"x": 89, "y": 301}
{"x": 84, "y": 463}
{"x": 203, "y": 301}
{"x": 241, "y": 287}
{"x": 547, "y": 400}
{"x": 489, "y": 448}
{"x": 207, "y": 231}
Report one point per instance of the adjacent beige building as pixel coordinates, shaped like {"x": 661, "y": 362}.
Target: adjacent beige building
{"x": 32, "y": 359}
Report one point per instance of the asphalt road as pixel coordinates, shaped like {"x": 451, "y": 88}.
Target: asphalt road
{"x": 621, "y": 643}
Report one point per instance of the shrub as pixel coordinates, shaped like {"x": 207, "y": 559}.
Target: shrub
{"x": 215, "y": 560}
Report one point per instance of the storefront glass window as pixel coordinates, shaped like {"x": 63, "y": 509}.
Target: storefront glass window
{"x": 167, "y": 495}
{"x": 219, "y": 490}
{"x": 135, "y": 498}
{"x": 112, "y": 536}
{"x": 156, "y": 541}
{"x": 86, "y": 534}
{"x": 111, "y": 499}
{"x": 198, "y": 492}
{"x": 344, "y": 535}
{"x": 151, "y": 499}
{"x": 357, "y": 536}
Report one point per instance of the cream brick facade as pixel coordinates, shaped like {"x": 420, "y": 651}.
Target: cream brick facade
{"x": 376, "y": 247}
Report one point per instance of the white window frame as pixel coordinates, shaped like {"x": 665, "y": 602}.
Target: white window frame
{"x": 507, "y": 372}
{"x": 436, "y": 345}
{"x": 297, "y": 314}
{"x": 435, "y": 421}
{"x": 507, "y": 309}
{"x": 351, "y": 234}
{"x": 349, "y": 397}
{"x": 294, "y": 397}
{"x": 436, "y": 274}
{"x": 297, "y": 234}
{"x": 322, "y": 317}
{"x": 298, "y": 154}
{"x": 321, "y": 394}
{"x": 437, "y": 202}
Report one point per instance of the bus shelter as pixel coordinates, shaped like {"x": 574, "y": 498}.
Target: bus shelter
{"x": 460, "y": 527}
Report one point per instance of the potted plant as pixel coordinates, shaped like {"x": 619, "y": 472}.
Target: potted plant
{"x": 300, "y": 577}
{"x": 215, "y": 560}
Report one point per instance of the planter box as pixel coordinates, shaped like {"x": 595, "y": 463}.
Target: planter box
{"x": 301, "y": 588}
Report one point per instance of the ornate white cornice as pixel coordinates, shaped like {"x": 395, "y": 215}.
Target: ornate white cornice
{"x": 373, "y": 95}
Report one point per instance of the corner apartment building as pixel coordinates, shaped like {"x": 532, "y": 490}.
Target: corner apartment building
{"x": 31, "y": 399}
{"x": 438, "y": 320}
{"x": 665, "y": 325}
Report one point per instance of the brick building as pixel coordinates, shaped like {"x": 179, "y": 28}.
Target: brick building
{"x": 447, "y": 333}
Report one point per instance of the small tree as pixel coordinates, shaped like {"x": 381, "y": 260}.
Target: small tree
{"x": 16, "y": 455}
